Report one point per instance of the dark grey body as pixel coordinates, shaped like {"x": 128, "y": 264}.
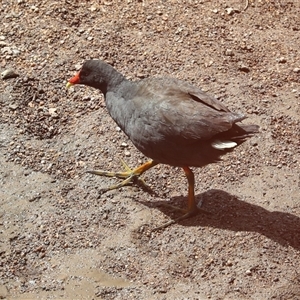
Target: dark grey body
{"x": 168, "y": 120}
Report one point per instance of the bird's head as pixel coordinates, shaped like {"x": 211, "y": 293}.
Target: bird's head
{"x": 94, "y": 73}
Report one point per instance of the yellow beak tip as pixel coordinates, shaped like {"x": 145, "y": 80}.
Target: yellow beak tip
{"x": 68, "y": 85}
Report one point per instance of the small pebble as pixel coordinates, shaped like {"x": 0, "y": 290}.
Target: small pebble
{"x": 9, "y": 73}
{"x": 244, "y": 68}
{"x": 15, "y": 52}
{"x": 229, "y": 263}
{"x": 248, "y": 272}
{"x": 13, "y": 106}
{"x": 230, "y": 11}
{"x": 282, "y": 60}
{"x": 229, "y": 52}
{"x": 53, "y": 111}
{"x": 7, "y": 50}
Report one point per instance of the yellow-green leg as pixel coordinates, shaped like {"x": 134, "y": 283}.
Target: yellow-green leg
{"x": 128, "y": 175}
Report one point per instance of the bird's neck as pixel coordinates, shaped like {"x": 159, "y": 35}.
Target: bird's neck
{"x": 115, "y": 79}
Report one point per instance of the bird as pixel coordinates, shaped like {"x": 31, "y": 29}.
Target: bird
{"x": 170, "y": 121}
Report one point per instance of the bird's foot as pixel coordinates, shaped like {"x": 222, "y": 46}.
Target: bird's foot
{"x": 182, "y": 210}
{"x": 187, "y": 214}
{"x": 130, "y": 176}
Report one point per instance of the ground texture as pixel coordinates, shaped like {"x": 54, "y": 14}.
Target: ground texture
{"x": 62, "y": 238}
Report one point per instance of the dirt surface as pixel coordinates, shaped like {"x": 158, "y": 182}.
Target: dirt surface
{"x": 62, "y": 238}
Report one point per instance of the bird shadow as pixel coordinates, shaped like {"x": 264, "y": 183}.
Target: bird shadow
{"x": 226, "y": 211}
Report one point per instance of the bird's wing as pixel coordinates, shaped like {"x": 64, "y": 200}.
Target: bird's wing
{"x": 183, "y": 112}
{"x": 200, "y": 96}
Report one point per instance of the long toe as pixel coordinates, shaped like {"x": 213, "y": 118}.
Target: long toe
{"x": 127, "y": 181}
{"x": 123, "y": 175}
{"x": 186, "y": 215}
{"x": 128, "y": 176}
{"x": 190, "y": 213}
{"x": 174, "y": 208}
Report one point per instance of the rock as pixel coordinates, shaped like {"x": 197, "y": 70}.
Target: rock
{"x": 229, "y": 52}
{"x": 254, "y": 142}
{"x": 77, "y": 66}
{"x": 296, "y": 70}
{"x": 53, "y": 112}
{"x": 9, "y": 73}
{"x": 282, "y": 60}
{"x": 15, "y": 52}
{"x": 7, "y": 50}
{"x": 244, "y": 68}
{"x": 141, "y": 75}
{"x": 34, "y": 8}
{"x": 230, "y": 11}
{"x": 13, "y": 106}
{"x": 248, "y": 272}
{"x": 3, "y": 292}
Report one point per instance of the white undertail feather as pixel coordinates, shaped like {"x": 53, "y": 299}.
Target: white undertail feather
{"x": 221, "y": 145}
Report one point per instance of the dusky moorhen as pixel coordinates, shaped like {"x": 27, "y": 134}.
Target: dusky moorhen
{"x": 168, "y": 120}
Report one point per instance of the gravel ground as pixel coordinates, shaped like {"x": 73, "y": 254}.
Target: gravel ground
{"x": 62, "y": 238}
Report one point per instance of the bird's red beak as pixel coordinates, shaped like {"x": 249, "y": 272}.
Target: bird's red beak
{"x": 74, "y": 80}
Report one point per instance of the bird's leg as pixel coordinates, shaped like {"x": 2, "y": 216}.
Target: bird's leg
{"x": 128, "y": 175}
{"x": 192, "y": 206}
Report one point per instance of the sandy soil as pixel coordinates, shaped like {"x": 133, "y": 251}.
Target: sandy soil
{"x": 62, "y": 238}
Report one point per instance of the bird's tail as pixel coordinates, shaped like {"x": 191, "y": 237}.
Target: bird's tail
{"x": 242, "y": 132}
{"x": 235, "y": 136}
